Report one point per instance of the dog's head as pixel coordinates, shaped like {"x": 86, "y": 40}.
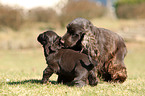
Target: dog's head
{"x": 49, "y": 40}
{"x": 76, "y": 31}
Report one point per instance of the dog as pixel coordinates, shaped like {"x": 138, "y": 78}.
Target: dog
{"x": 103, "y": 45}
{"x": 72, "y": 67}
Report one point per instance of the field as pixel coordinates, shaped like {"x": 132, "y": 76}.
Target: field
{"x": 21, "y": 72}
{"x": 22, "y": 63}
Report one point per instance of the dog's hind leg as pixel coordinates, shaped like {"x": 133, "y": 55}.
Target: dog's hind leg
{"x": 80, "y": 79}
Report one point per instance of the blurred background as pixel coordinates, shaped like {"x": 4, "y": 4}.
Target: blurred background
{"x": 21, "y": 22}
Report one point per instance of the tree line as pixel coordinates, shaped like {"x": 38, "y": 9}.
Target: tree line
{"x": 16, "y": 17}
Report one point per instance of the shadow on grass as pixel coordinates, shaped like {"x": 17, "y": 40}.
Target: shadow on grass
{"x": 33, "y": 81}
{"x": 36, "y": 81}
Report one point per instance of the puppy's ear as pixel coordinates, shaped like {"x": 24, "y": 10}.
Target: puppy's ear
{"x": 46, "y": 50}
{"x": 56, "y": 45}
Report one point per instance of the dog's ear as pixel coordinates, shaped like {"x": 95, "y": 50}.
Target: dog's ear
{"x": 46, "y": 50}
{"x": 56, "y": 45}
{"x": 41, "y": 39}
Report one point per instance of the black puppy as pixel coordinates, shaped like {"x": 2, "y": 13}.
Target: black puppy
{"x": 70, "y": 66}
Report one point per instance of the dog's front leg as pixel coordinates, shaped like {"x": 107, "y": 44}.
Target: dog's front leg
{"x": 60, "y": 79}
{"x": 46, "y": 75}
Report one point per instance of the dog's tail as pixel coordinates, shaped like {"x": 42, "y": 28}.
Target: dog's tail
{"x": 90, "y": 66}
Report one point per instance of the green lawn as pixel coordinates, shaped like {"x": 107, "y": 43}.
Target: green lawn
{"x": 21, "y": 72}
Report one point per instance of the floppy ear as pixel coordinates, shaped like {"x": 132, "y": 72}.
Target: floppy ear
{"x": 46, "y": 50}
{"x": 56, "y": 45}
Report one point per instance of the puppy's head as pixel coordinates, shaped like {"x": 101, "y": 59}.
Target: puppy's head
{"x": 47, "y": 39}
{"x": 76, "y": 31}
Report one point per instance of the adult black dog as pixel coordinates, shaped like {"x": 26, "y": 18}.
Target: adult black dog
{"x": 71, "y": 66}
{"x": 101, "y": 44}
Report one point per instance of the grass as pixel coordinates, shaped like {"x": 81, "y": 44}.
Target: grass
{"x": 21, "y": 72}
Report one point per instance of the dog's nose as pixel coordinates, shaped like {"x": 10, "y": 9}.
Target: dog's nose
{"x": 62, "y": 41}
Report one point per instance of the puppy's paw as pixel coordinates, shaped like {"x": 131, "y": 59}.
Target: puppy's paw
{"x": 45, "y": 81}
